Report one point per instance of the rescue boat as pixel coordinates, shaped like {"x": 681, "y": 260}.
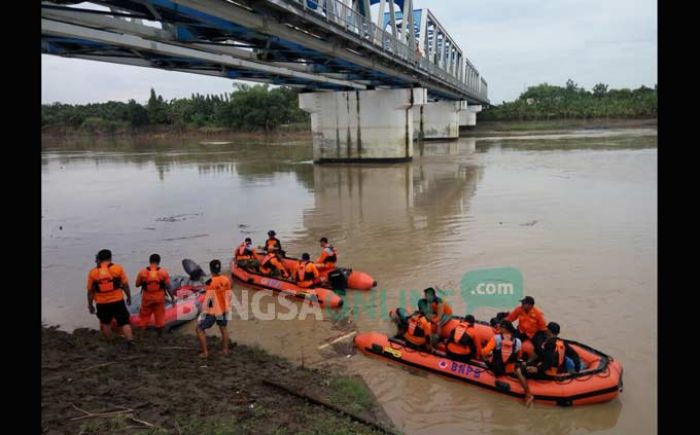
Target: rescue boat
{"x": 338, "y": 278}
{"x": 325, "y": 297}
{"x": 600, "y": 381}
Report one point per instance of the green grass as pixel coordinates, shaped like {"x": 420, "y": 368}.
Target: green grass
{"x": 350, "y": 394}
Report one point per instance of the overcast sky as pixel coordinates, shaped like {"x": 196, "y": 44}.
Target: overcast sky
{"x": 513, "y": 44}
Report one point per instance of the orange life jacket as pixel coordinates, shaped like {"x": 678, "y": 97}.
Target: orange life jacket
{"x": 461, "y": 342}
{"x": 560, "y": 350}
{"x": 273, "y": 243}
{"x": 153, "y": 282}
{"x": 508, "y": 349}
{"x": 305, "y": 271}
{"x": 414, "y": 327}
{"x": 331, "y": 254}
{"x": 244, "y": 251}
{"x": 106, "y": 283}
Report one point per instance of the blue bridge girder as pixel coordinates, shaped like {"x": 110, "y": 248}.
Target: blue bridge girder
{"x": 314, "y": 44}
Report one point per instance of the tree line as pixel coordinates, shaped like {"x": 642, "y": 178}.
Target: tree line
{"x": 545, "y": 102}
{"x": 247, "y": 108}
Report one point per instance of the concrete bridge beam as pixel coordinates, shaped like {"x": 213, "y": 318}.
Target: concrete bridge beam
{"x": 467, "y": 118}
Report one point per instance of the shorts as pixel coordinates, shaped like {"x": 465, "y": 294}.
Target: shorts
{"x": 209, "y": 319}
{"x": 113, "y": 310}
{"x": 155, "y": 308}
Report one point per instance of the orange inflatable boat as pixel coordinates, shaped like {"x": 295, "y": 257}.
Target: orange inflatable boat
{"x": 187, "y": 306}
{"x": 337, "y": 278}
{"x": 323, "y": 296}
{"x": 600, "y": 381}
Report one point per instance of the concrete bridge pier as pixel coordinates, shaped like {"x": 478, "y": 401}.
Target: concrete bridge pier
{"x": 467, "y": 118}
{"x": 363, "y": 126}
{"x": 438, "y": 120}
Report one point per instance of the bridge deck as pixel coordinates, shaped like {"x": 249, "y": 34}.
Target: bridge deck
{"x": 295, "y": 42}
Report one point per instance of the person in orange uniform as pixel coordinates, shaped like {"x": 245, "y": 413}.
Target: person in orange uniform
{"x": 273, "y": 242}
{"x": 417, "y": 333}
{"x": 556, "y": 352}
{"x": 217, "y": 303}
{"x": 502, "y": 355}
{"x": 531, "y": 324}
{"x": 155, "y": 283}
{"x": 272, "y": 264}
{"x": 245, "y": 255}
{"x": 307, "y": 273}
{"x": 463, "y": 343}
{"x": 106, "y": 285}
{"x": 328, "y": 257}
{"x": 439, "y": 311}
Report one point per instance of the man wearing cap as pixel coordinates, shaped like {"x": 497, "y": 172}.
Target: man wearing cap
{"x": 531, "y": 324}
{"x": 557, "y": 356}
{"x": 273, "y": 242}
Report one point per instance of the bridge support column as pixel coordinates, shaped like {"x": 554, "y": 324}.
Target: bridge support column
{"x": 467, "y": 118}
{"x": 362, "y": 126}
{"x": 438, "y": 120}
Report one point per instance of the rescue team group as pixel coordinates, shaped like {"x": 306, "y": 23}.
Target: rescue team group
{"x": 108, "y": 295}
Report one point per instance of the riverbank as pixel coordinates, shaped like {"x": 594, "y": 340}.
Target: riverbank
{"x": 487, "y": 128}
{"x": 161, "y": 386}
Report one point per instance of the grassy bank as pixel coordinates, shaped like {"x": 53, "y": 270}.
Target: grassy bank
{"x": 163, "y": 387}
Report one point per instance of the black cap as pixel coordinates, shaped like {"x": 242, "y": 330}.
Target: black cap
{"x": 154, "y": 258}
{"x": 305, "y": 256}
{"x": 528, "y": 300}
{"x": 271, "y": 233}
{"x": 553, "y": 327}
{"x": 104, "y": 255}
{"x": 469, "y": 319}
{"x": 215, "y": 266}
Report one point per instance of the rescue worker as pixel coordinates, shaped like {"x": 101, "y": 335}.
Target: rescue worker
{"x": 328, "y": 257}
{"x": 155, "y": 283}
{"x": 272, "y": 264}
{"x": 555, "y": 353}
{"x": 245, "y": 255}
{"x": 273, "y": 242}
{"x": 463, "y": 343}
{"x": 107, "y": 284}
{"x": 215, "y": 308}
{"x": 531, "y": 324}
{"x": 307, "y": 273}
{"x": 417, "y": 333}
{"x": 502, "y": 355}
{"x": 439, "y": 311}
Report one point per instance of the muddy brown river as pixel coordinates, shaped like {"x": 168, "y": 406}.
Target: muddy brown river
{"x": 575, "y": 213}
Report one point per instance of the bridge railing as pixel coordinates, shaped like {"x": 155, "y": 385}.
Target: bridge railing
{"x": 341, "y": 15}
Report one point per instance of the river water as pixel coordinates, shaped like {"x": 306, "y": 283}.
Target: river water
{"x": 575, "y": 213}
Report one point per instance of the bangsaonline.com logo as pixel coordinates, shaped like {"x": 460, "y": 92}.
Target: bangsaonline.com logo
{"x": 498, "y": 288}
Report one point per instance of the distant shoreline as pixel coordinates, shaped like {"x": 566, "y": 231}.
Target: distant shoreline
{"x": 57, "y": 138}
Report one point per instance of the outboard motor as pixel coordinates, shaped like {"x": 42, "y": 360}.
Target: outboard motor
{"x": 193, "y": 269}
{"x": 338, "y": 278}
